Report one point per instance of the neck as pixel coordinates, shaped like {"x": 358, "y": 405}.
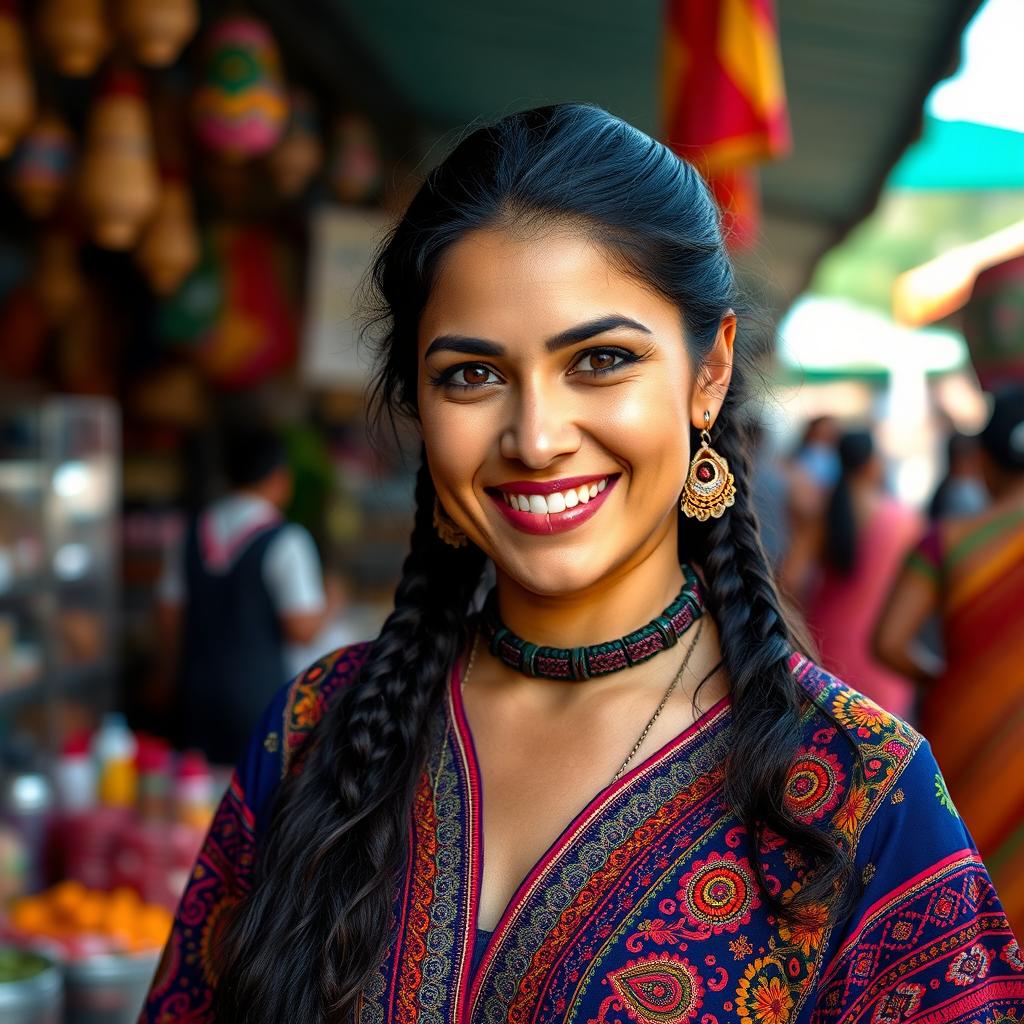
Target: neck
{"x": 619, "y": 603}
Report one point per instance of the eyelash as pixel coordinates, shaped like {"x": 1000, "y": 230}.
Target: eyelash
{"x": 446, "y": 378}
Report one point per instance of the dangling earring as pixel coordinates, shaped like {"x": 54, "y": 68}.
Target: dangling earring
{"x": 710, "y": 488}
{"x": 446, "y": 528}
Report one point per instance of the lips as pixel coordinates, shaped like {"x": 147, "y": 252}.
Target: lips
{"x": 552, "y": 506}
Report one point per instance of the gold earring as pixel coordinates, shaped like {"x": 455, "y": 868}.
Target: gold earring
{"x": 710, "y": 488}
{"x": 446, "y": 528}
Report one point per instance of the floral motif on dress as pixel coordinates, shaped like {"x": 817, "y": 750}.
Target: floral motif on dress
{"x": 815, "y": 784}
{"x": 662, "y": 988}
{"x": 763, "y": 995}
{"x": 719, "y": 893}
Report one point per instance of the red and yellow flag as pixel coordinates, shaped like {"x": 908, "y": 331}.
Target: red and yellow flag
{"x": 723, "y": 98}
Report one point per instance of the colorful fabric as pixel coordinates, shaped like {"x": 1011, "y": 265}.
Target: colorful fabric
{"x": 974, "y": 715}
{"x": 647, "y": 908}
{"x": 723, "y": 99}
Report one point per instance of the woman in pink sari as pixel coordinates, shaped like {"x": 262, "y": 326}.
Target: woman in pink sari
{"x": 862, "y": 543}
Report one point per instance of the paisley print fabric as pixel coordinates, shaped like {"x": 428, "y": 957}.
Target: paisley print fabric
{"x": 648, "y": 908}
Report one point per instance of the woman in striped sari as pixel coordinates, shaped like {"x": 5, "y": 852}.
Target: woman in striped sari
{"x": 971, "y": 571}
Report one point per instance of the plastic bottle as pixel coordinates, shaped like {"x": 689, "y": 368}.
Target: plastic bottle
{"x": 193, "y": 790}
{"x": 114, "y": 749}
{"x": 74, "y": 776}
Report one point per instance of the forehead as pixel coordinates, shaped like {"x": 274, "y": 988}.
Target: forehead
{"x": 508, "y": 286}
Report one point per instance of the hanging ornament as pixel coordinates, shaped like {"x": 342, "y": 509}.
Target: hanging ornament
{"x": 170, "y": 244}
{"x": 157, "y": 30}
{"x": 118, "y": 186}
{"x": 240, "y": 106}
{"x": 75, "y": 34}
{"x": 17, "y": 90}
{"x": 42, "y": 165}
{"x": 355, "y": 168}
{"x": 300, "y": 153}
{"x": 57, "y": 280}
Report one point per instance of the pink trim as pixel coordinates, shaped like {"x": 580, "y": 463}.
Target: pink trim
{"x": 235, "y": 787}
{"x": 892, "y": 896}
{"x": 976, "y": 999}
{"x": 527, "y": 887}
{"x": 474, "y": 832}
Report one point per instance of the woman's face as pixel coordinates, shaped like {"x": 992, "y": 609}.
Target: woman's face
{"x": 555, "y": 395}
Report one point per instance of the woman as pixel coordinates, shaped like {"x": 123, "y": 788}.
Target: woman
{"x": 971, "y": 572}
{"x": 864, "y": 536}
{"x": 406, "y": 841}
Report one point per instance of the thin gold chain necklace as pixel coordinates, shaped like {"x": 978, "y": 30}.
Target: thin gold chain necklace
{"x": 657, "y": 711}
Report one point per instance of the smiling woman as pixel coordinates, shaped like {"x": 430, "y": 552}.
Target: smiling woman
{"x": 618, "y": 790}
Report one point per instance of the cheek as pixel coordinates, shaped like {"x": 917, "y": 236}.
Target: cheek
{"x": 650, "y": 430}
{"x": 456, "y": 444}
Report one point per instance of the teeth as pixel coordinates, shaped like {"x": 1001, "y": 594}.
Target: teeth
{"x": 541, "y": 504}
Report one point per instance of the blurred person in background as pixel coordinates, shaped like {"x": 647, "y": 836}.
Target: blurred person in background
{"x": 242, "y": 585}
{"x": 852, "y": 560}
{"x": 971, "y": 572}
{"x": 810, "y": 474}
{"x": 961, "y": 491}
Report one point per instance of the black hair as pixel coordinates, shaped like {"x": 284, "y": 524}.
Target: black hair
{"x": 251, "y": 454}
{"x": 1003, "y": 436}
{"x": 856, "y": 449}
{"x": 315, "y": 926}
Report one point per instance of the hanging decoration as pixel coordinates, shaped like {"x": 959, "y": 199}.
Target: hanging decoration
{"x": 240, "y": 107}
{"x": 17, "y": 90}
{"x": 170, "y": 244}
{"x": 355, "y": 173}
{"x": 157, "y": 30}
{"x": 41, "y": 166}
{"x": 118, "y": 186}
{"x": 57, "y": 281}
{"x": 75, "y": 34}
{"x": 300, "y": 153}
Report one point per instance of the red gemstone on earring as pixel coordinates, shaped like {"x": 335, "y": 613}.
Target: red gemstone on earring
{"x": 705, "y": 472}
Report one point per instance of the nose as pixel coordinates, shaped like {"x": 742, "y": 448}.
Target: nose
{"x": 543, "y": 427}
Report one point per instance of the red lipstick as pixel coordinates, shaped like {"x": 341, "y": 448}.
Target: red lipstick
{"x": 550, "y": 522}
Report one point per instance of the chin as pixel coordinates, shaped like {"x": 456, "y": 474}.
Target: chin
{"x": 555, "y": 574}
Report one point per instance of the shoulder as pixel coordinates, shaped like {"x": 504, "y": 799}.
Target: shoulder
{"x": 291, "y": 717}
{"x": 853, "y": 757}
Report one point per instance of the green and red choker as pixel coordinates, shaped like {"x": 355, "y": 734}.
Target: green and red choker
{"x": 581, "y": 663}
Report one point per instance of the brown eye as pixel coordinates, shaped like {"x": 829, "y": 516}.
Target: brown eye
{"x": 474, "y": 375}
{"x": 600, "y": 360}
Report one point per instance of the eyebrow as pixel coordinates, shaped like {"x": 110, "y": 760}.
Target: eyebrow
{"x": 570, "y": 336}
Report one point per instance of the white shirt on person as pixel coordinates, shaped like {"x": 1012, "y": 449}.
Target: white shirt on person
{"x": 291, "y": 567}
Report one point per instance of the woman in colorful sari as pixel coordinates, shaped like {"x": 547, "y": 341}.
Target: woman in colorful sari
{"x": 617, "y": 791}
{"x": 971, "y": 572}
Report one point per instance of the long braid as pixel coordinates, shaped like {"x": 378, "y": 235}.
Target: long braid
{"x": 756, "y": 645}
{"x": 352, "y": 836}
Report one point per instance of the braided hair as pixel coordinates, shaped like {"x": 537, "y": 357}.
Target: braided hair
{"x": 310, "y": 934}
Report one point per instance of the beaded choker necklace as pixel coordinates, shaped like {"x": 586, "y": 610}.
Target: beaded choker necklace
{"x": 580, "y": 663}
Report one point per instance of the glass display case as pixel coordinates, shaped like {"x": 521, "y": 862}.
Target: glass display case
{"x": 59, "y": 507}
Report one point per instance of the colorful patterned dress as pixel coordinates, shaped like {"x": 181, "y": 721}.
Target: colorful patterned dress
{"x": 974, "y": 715}
{"x": 646, "y": 908}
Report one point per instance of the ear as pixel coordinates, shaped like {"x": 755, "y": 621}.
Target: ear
{"x": 714, "y": 374}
